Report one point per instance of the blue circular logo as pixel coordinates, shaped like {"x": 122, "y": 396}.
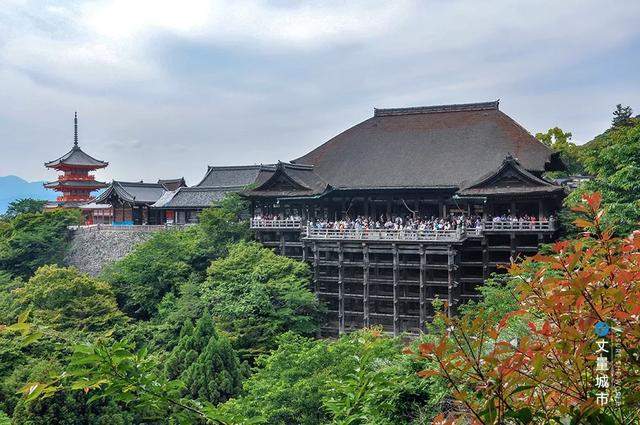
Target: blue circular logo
{"x": 602, "y": 329}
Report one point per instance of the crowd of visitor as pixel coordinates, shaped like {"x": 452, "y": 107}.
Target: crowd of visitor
{"x": 525, "y": 218}
{"x": 452, "y": 222}
{"x": 469, "y": 223}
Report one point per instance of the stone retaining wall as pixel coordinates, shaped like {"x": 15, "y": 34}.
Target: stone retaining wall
{"x": 92, "y": 249}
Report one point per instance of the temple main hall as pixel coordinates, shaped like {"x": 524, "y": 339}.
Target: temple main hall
{"x": 410, "y": 206}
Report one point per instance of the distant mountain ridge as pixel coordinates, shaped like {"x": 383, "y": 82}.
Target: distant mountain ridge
{"x": 14, "y": 187}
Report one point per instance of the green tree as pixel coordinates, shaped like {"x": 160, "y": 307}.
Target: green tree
{"x": 622, "y": 116}
{"x": 23, "y": 206}
{"x": 613, "y": 158}
{"x": 64, "y": 299}
{"x": 4, "y": 419}
{"x": 66, "y": 407}
{"x": 225, "y": 224}
{"x": 362, "y": 378}
{"x": 115, "y": 373}
{"x": 559, "y": 141}
{"x": 257, "y": 295}
{"x": 205, "y": 362}
{"x": 156, "y": 268}
{"x": 162, "y": 332}
{"x": 9, "y": 308}
{"x": 32, "y": 240}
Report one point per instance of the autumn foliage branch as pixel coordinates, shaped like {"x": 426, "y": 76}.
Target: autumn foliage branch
{"x": 547, "y": 375}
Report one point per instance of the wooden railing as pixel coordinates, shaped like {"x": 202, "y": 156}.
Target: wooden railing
{"x": 73, "y": 177}
{"x": 126, "y": 227}
{"x": 406, "y": 235}
{"x": 519, "y": 226}
{"x": 275, "y": 224}
{"x": 386, "y": 234}
{"x": 74, "y": 198}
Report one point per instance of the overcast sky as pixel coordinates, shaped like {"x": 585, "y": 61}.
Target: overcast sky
{"x": 164, "y": 88}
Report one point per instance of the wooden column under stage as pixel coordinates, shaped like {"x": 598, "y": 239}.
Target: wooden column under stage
{"x": 423, "y": 304}
{"x": 365, "y": 284}
{"x": 395, "y": 291}
{"x": 340, "y": 289}
{"x": 450, "y": 281}
{"x": 316, "y": 264}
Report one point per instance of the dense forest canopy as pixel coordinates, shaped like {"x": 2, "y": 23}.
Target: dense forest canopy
{"x": 202, "y": 325}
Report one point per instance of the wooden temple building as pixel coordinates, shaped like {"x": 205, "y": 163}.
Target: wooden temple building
{"x": 437, "y": 161}
{"x": 131, "y": 201}
{"x": 76, "y": 181}
{"x": 183, "y": 205}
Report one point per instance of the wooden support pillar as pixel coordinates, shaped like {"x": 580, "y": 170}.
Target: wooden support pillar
{"x": 451, "y": 299}
{"x": 282, "y": 243}
{"x": 316, "y": 264}
{"x": 365, "y": 283}
{"x": 316, "y": 285}
{"x": 513, "y": 245}
{"x": 340, "y": 289}
{"x": 304, "y": 251}
{"x": 485, "y": 258}
{"x": 396, "y": 321}
{"x": 513, "y": 208}
{"x": 389, "y": 200}
{"x": 423, "y": 303}
{"x": 540, "y": 209}
{"x": 442, "y": 210}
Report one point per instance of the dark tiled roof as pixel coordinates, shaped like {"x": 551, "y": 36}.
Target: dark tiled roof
{"x": 78, "y": 183}
{"x": 288, "y": 180}
{"x": 426, "y": 147}
{"x": 509, "y": 178}
{"x": 172, "y": 184}
{"x": 523, "y": 190}
{"x": 231, "y": 176}
{"x": 77, "y": 157}
{"x": 460, "y": 107}
{"x": 194, "y": 197}
{"x": 133, "y": 192}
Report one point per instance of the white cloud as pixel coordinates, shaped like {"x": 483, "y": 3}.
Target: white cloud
{"x": 267, "y": 80}
{"x": 305, "y": 23}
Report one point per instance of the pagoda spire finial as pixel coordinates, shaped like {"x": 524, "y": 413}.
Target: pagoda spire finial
{"x": 75, "y": 129}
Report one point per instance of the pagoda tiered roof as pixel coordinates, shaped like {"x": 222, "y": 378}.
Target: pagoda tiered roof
{"x": 80, "y": 184}
{"x": 76, "y": 157}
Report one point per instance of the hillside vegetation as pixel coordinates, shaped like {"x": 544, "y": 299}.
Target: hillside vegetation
{"x": 204, "y": 326}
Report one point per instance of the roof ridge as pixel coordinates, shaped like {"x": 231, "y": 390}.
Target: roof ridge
{"x": 207, "y": 188}
{"x": 296, "y": 166}
{"x": 238, "y": 167}
{"x": 141, "y": 183}
{"x": 456, "y": 107}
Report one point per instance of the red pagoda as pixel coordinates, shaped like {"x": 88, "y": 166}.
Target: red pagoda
{"x": 75, "y": 184}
